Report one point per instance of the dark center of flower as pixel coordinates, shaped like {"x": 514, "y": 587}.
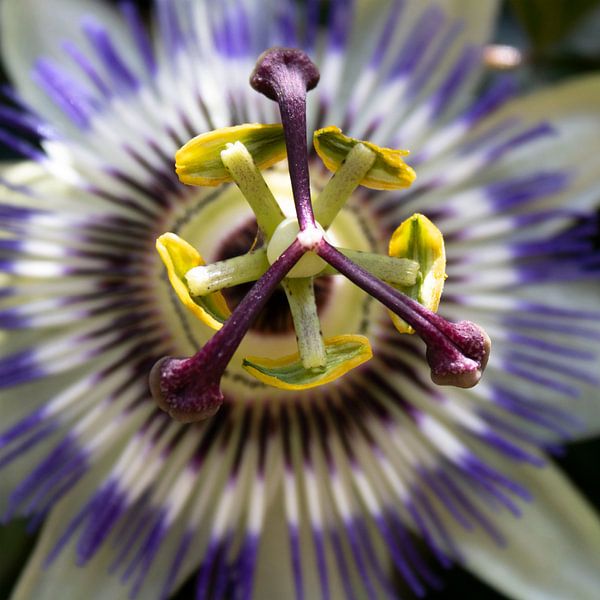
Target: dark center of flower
{"x": 276, "y": 318}
{"x": 299, "y": 251}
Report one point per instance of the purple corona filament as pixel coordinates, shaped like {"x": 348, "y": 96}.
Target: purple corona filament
{"x": 285, "y": 75}
{"x": 189, "y": 388}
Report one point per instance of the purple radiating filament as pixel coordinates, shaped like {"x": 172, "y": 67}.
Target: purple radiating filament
{"x": 285, "y": 75}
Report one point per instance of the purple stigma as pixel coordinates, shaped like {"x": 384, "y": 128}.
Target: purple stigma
{"x": 283, "y": 71}
{"x": 188, "y": 389}
{"x": 285, "y": 75}
{"x": 457, "y": 353}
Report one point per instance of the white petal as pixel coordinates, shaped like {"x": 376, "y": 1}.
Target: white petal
{"x": 552, "y": 552}
{"x": 448, "y": 35}
{"x": 63, "y": 579}
{"x": 484, "y": 263}
{"x": 274, "y": 578}
{"x": 31, "y": 29}
{"x": 584, "y": 296}
{"x": 571, "y": 109}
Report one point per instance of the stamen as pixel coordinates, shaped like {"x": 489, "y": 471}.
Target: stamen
{"x": 419, "y": 239}
{"x": 397, "y": 271}
{"x": 388, "y": 171}
{"x": 335, "y": 194}
{"x": 189, "y": 388}
{"x": 179, "y": 259}
{"x": 285, "y": 75}
{"x": 300, "y": 293}
{"x": 456, "y": 352}
{"x": 251, "y": 183}
{"x": 199, "y": 161}
{"x": 227, "y": 273}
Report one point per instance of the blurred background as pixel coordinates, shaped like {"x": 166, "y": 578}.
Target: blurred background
{"x": 557, "y": 39}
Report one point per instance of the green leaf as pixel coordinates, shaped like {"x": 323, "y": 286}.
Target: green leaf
{"x": 547, "y": 22}
{"x": 16, "y": 544}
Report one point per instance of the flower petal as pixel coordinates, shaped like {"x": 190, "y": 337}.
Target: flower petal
{"x": 552, "y": 552}
{"x": 519, "y": 219}
{"x": 236, "y": 503}
{"x": 276, "y": 579}
{"x": 426, "y": 71}
{"x": 31, "y": 29}
{"x": 59, "y": 577}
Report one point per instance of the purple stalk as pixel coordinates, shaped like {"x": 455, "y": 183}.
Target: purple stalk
{"x": 285, "y": 75}
{"x": 456, "y": 352}
{"x": 188, "y": 388}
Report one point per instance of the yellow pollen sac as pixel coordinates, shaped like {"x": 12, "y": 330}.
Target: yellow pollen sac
{"x": 199, "y": 161}
{"x": 179, "y": 257}
{"x": 287, "y": 231}
{"x": 420, "y": 240}
{"x": 343, "y": 353}
{"x": 389, "y": 171}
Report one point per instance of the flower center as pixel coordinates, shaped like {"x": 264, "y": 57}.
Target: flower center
{"x": 276, "y": 319}
{"x": 287, "y": 231}
{"x": 296, "y": 250}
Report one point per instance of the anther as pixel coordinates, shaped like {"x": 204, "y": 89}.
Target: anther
{"x": 457, "y": 353}
{"x": 188, "y": 389}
